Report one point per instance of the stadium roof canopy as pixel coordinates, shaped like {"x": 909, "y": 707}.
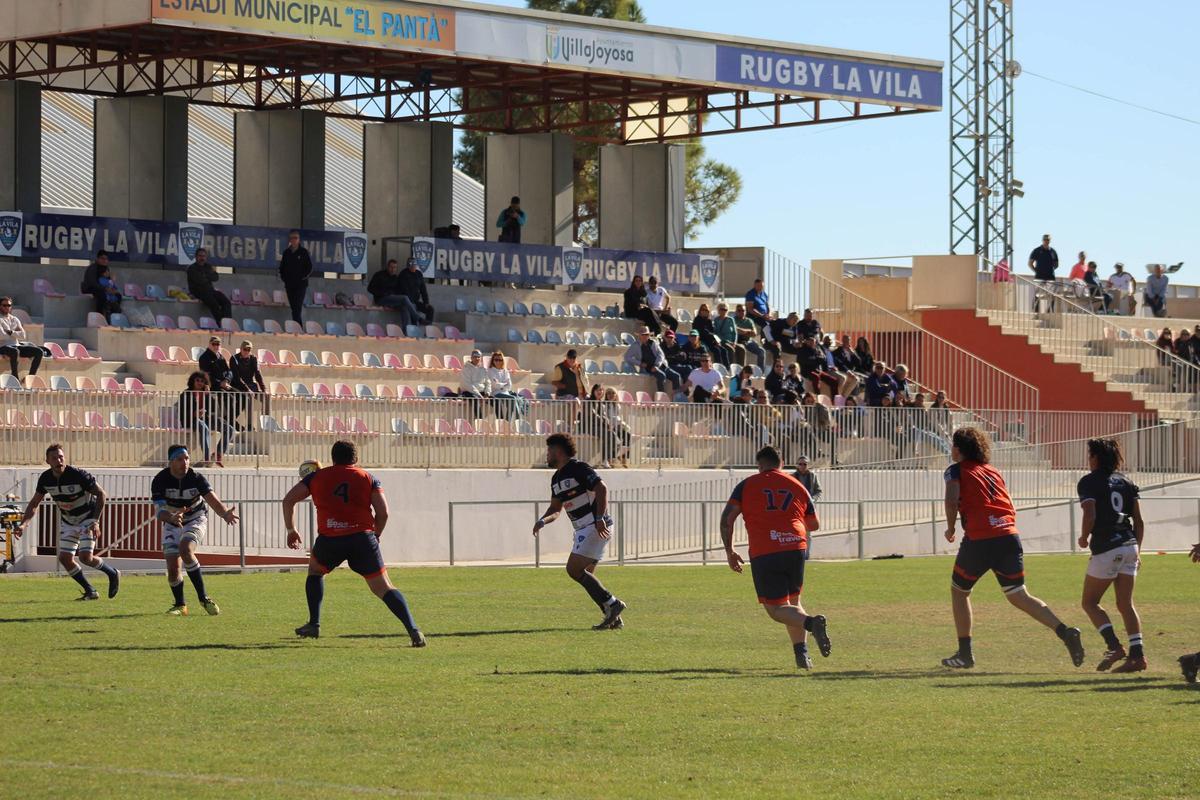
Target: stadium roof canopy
{"x": 481, "y": 67}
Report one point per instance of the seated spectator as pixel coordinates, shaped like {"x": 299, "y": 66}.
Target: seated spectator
{"x": 412, "y": 285}
{"x": 510, "y": 222}
{"x": 1095, "y": 292}
{"x": 706, "y": 383}
{"x": 758, "y": 305}
{"x": 676, "y": 358}
{"x": 747, "y": 336}
{"x": 850, "y": 418}
{"x": 200, "y": 279}
{"x": 635, "y": 306}
{"x": 247, "y": 380}
{"x": 780, "y": 335}
{"x": 659, "y": 301}
{"x": 473, "y": 384}
{"x": 846, "y": 360}
{"x": 385, "y": 287}
{"x": 866, "y": 359}
{"x": 904, "y": 389}
{"x": 744, "y": 395}
{"x": 708, "y": 335}
{"x": 774, "y": 383}
{"x": 1155, "y": 293}
{"x": 647, "y": 357}
{"x": 740, "y": 381}
{"x": 108, "y": 296}
{"x": 848, "y": 379}
{"x": 567, "y": 378}
{"x": 813, "y": 367}
{"x": 513, "y": 405}
{"x": 879, "y": 386}
{"x": 12, "y": 340}
{"x": 197, "y": 413}
{"x": 1079, "y": 268}
{"x": 1123, "y": 286}
{"x": 1165, "y": 343}
{"x": 693, "y": 351}
{"x": 726, "y": 332}
{"x": 808, "y": 326}
{"x": 91, "y": 280}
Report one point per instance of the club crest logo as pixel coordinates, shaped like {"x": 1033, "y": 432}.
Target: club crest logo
{"x": 572, "y": 265}
{"x": 10, "y": 233}
{"x": 710, "y": 268}
{"x": 553, "y": 44}
{"x": 191, "y": 238}
{"x": 355, "y": 245}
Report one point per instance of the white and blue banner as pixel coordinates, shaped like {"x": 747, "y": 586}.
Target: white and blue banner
{"x": 422, "y": 250}
{"x": 11, "y": 223}
{"x": 572, "y": 266}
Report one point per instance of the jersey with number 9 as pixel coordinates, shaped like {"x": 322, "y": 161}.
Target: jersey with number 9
{"x": 342, "y": 495}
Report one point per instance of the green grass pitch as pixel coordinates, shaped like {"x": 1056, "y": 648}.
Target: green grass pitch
{"x": 516, "y": 697}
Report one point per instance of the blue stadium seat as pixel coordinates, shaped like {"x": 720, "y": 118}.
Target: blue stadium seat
{"x": 552, "y": 337}
{"x": 460, "y": 304}
{"x": 558, "y": 310}
{"x": 594, "y": 312}
{"x": 520, "y": 309}
{"x": 535, "y": 336}
{"x": 539, "y": 310}
{"x": 610, "y": 339}
{"x": 481, "y": 307}
{"x": 610, "y": 368}
{"x": 501, "y": 307}
{"x": 591, "y": 339}
{"x": 414, "y": 332}
{"x": 514, "y": 335}
{"x": 590, "y": 366}
{"x": 251, "y": 326}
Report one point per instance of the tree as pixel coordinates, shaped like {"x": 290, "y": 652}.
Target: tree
{"x": 711, "y": 187}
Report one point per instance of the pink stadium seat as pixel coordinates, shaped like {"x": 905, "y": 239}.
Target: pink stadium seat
{"x": 412, "y": 362}
{"x": 432, "y": 362}
{"x": 134, "y": 291}
{"x": 376, "y": 330}
{"x": 662, "y": 397}
{"x": 293, "y": 327}
{"x": 363, "y": 300}
{"x": 528, "y": 395}
{"x": 453, "y": 363}
{"x": 179, "y": 355}
{"x": 272, "y": 326}
{"x": 292, "y": 424}
{"x": 96, "y": 320}
{"x": 452, "y": 333}
{"x": 407, "y": 393}
{"x": 36, "y": 382}
{"x": 288, "y": 359}
{"x": 56, "y": 352}
{"x": 17, "y": 419}
{"x": 624, "y": 396}
{"x": 109, "y": 384}
{"x": 279, "y": 297}
{"x": 239, "y": 299}
{"x": 511, "y": 364}
{"x": 316, "y": 425}
{"x": 644, "y": 398}
{"x": 329, "y": 359}
{"x": 135, "y": 386}
{"x": 209, "y": 324}
{"x": 186, "y": 323}
{"x": 266, "y": 358}
{"x": 442, "y": 426}
{"x": 343, "y": 390}
{"x": 94, "y": 419}
{"x": 354, "y": 329}
{"x": 155, "y": 353}
{"x": 165, "y": 321}
{"x": 395, "y": 331}
{"x": 314, "y": 328}
{"x": 230, "y": 324}
{"x": 464, "y": 428}
{"x": 392, "y": 361}
{"x": 383, "y": 390}
{"x": 337, "y": 425}
{"x": 44, "y": 419}
{"x": 278, "y": 388}
{"x": 543, "y": 427}
{"x": 69, "y": 419}
{"x": 85, "y": 384}
{"x": 351, "y": 359}
{"x": 359, "y": 425}
{"x": 321, "y": 299}
{"x": 260, "y": 297}
{"x": 45, "y": 288}
{"x": 322, "y": 390}
{"x": 434, "y": 332}
{"x": 80, "y": 353}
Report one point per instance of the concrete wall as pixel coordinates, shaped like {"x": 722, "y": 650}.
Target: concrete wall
{"x": 642, "y": 197}
{"x": 539, "y": 168}
{"x": 408, "y": 172}
{"x": 279, "y": 169}
{"x": 141, "y": 158}
{"x": 945, "y": 281}
{"x": 20, "y": 146}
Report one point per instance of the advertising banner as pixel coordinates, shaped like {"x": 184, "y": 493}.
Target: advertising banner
{"x": 142, "y": 241}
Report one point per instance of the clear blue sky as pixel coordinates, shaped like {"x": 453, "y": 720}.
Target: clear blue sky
{"x": 1120, "y": 183}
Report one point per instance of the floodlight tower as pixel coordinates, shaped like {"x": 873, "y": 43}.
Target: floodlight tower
{"x": 982, "y": 71}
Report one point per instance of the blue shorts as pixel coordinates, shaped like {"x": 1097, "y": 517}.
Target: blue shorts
{"x": 360, "y": 550}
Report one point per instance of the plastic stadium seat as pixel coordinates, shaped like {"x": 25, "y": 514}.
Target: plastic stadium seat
{"x": 301, "y": 390}
{"x": 278, "y": 388}
{"x": 119, "y": 320}
{"x": 594, "y": 312}
{"x": 155, "y": 353}
{"x": 385, "y": 391}
{"x": 84, "y": 384}
{"x": 209, "y": 324}
{"x": 343, "y": 390}
{"x": 329, "y": 359}
{"x": 96, "y": 320}
{"x": 557, "y": 310}
{"x": 624, "y": 396}
{"x": 36, "y": 383}
{"x": 414, "y": 332}
{"x": 310, "y": 358}
{"x": 644, "y": 398}
{"x": 412, "y": 361}
{"x": 463, "y": 427}
{"x": 337, "y": 425}
{"x": 45, "y": 288}
{"x": 158, "y": 293}
{"x": 433, "y": 332}
{"x": 610, "y": 339}
{"x": 239, "y": 298}
{"x": 502, "y": 308}
{"x": 164, "y": 321}
{"x": 461, "y": 304}
{"x": 394, "y": 331}
{"x": 511, "y": 364}
{"x": 292, "y": 425}
{"x": 117, "y": 419}
{"x": 481, "y": 307}
{"x": 376, "y": 330}
{"x": 335, "y": 329}
{"x": 354, "y": 329}
{"x": 443, "y": 426}
{"x": 313, "y": 328}
{"x": 109, "y": 384}
{"x": 80, "y": 353}
{"x": 425, "y": 391}
{"x": 94, "y": 420}
{"x": 432, "y": 362}
{"x": 528, "y": 395}
{"x": 544, "y": 393}
{"x": 453, "y": 363}
{"x": 186, "y": 323}
{"x": 400, "y": 426}
{"x": 177, "y": 354}
{"x": 11, "y": 383}
{"x": 627, "y": 338}
{"x": 552, "y": 337}
{"x": 543, "y": 427}
{"x": 135, "y": 386}
{"x": 293, "y": 327}
{"x": 56, "y": 352}
{"x": 520, "y": 309}
{"x": 571, "y": 337}
{"x": 60, "y": 384}
{"x": 249, "y": 326}
{"x": 266, "y": 358}
{"x": 267, "y": 423}
{"x": 392, "y": 361}
{"x": 591, "y": 339}
{"x": 279, "y": 297}
{"x": 662, "y": 397}
{"x": 372, "y": 360}
{"x": 577, "y": 310}
{"x": 351, "y": 359}
{"x": 363, "y": 390}
{"x": 229, "y": 324}
{"x": 539, "y": 310}
{"x": 288, "y": 358}
{"x": 406, "y": 393}
{"x": 453, "y": 333}
{"x": 590, "y": 366}
{"x": 362, "y": 300}
{"x": 515, "y": 336}
{"x": 535, "y": 336}
{"x": 610, "y": 368}
{"x": 321, "y": 299}
{"x": 132, "y": 290}
{"x": 197, "y": 351}
{"x": 271, "y": 326}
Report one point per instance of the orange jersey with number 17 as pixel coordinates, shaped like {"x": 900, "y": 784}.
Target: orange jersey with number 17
{"x": 774, "y": 505}
{"x": 984, "y": 504}
{"x": 342, "y": 495}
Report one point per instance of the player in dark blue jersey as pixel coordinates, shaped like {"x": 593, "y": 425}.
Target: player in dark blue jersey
{"x": 577, "y": 488}
{"x": 80, "y": 500}
{"x": 1190, "y": 664}
{"x": 1113, "y": 529}
{"x": 179, "y": 493}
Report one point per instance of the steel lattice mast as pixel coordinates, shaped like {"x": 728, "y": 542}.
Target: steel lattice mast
{"x": 982, "y": 71}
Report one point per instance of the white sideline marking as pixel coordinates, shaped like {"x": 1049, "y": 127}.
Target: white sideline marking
{"x": 243, "y": 780}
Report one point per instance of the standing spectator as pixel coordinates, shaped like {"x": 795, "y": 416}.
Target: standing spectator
{"x": 223, "y": 401}
{"x": 196, "y": 413}
{"x": 12, "y": 340}
{"x": 708, "y": 335}
{"x": 677, "y": 360}
{"x": 91, "y": 280}
{"x": 1044, "y": 262}
{"x": 200, "y": 279}
{"x": 247, "y": 380}
{"x": 500, "y": 379}
{"x": 473, "y": 384}
{"x": 808, "y": 326}
{"x": 1155, "y": 293}
{"x": 647, "y": 357}
{"x": 295, "y": 266}
{"x": 879, "y": 386}
{"x": 617, "y": 436}
{"x": 807, "y": 477}
{"x": 1123, "y": 285}
{"x": 747, "y": 334}
{"x": 108, "y": 299}
{"x": 707, "y": 384}
{"x": 659, "y": 301}
{"x": 1079, "y": 268}
{"x": 635, "y": 306}
{"x": 413, "y": 286}
{"x": 1096, "y": 292}
{"x": 726, "y": 331}
{"x": 758, "y": 304}
{"x": 385, "y": 287}
{"x": 820, "y": 425}
{"x": 567, "y": 378}
{"x": 510, "y": 222}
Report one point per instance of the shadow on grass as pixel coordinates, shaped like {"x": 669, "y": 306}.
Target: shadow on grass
{"x": 137, "y": 648}
{"x": 668, "y": 671}
{"x": 1083, "y": 683}
{"x": 452, "y": 634}
{"x": 74, "y": 618}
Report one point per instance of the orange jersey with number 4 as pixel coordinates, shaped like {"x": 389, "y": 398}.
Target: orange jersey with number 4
{"x": 983, "y": 501}
{"x": 774, "y": 505}
{"x": 342, "y": 495}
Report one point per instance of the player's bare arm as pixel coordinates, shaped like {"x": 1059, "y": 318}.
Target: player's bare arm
{"x": 600, "y": 510}
{"x": 30, "y": 510}
{"x": 811, "y": 523}
{"x": 295, "y": 495}
{"x": 551, "y": 514}
{"x": 165, "y": 514}
{"x": 1139, "y": 524}
{"x": 380, "y": 506}
{"x": 1089, "y": 521}
{"x": 952, "y": 493}
{"x": 228, "y": 514}
{"x": 101, "y": 498}
{"x": 728, "y": 517}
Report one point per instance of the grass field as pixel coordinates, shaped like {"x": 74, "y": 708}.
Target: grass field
{"x": 516, "y": 697}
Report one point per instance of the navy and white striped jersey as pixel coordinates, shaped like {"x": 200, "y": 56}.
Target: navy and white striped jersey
{"x": 1114, "y": 496}
{"x": 573, "y": 484}
{"x": 184, "y": 494}
{"x": 72, "y": 493}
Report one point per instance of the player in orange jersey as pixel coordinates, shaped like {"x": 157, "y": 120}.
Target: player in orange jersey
{"x": 975, "y": 491}
{"x": 351, "y": 515}
{"x": 779, "y": 515}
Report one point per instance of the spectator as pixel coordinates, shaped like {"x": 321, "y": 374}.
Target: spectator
{"x": 385, "y": 287}
{"x": 196, "y": 412}
{"x": 1155, "y": 293}
{"x": 866, "y": 359}
{"x": 510, "y": 222}
{"x": 923, "y": 426}
{"x": 1166, "y": 343}
{"x": 1044, "y": 260}
{"x": 693, "y": 351}
{"x": 808, "y": 326}
{"x": 1123, "y": 285}
{"x": 220, "y": 380}
{"x": 636, "y": 307}
{"x": 1096, "y": 293}
{"x": 740, "y": 382}
{"x": 567, "y": 378}
{"x": 646, "y": 356}
{"x": 707, "y": 384}
{"x": 807, "y": 477}
{"x": 111, "y": 302}
{"x": 847, "y": 380}
{"x": 295, "y": 266}
{"x": 879, "y": 386}
{"x": 774, "y": 383}
{"x": 616, "y": 436}
{"x": 247, "y": 380}
{"x": 758, "y": 304}
{"x": 812, "y": 367}
{"x": 12, "y": 340}
{"x": 850, "y": 418}
{"x": 904, "y": 387}
{"x": 743, "y": 396}
{"x": 413, "y": 286}
{"x": 677, "y": 360}
{"x": 793, "y": 385}
{"x": 747, "y": 334}
{"x": 473, "y": 384}
{"x": 500, "y": 381}
{"x": 1080, "y": 268}
{"x": 708, "y": 335}
{"x": 727, "y": 338}
{"x": 780, "y": 335}
{"x": 820, "y": 425}
{"x": 91, "y": 280}
{"x": 846, "y": 360}
{"x": 659, "y": 301}
{"x": 200, "y": 279}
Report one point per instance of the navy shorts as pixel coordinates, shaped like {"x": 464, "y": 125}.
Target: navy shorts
{"x": 778, "y": 577}
{"x": 360, "y": 550}
{"x": 1003, "y": 555}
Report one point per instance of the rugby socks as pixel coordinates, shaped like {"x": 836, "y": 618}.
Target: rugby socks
{"x": 105, "y": 568}
{"x": 800, "y": 649}
{"x": 1110, "y": 636}
{"x": 1061, "y": 631}
{"x": 1135, "y": 646}
{"x": 395, "y": 601}
{"x": 600, "y": 596}
{"x": 177, "y": 590}
{"x": 81, "y": 579}
{"x": 964, "y": 647}
{"x": 314, "y": 590}
{"x": 197, "y": 577}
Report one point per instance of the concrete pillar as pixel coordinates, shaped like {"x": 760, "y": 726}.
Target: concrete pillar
{"x": 141, "y": 158}
{"x": 20, "y": 146}
{"x": 408, "y": 174}
{"x": 279, "y": 169}
{"x": 540, "y": 169}
{"x": 641, "y": 197}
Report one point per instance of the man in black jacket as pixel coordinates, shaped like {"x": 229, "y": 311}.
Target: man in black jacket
{"x": 385, "y": 287}
{"x": 200, "y": 277}
{"x": 91, "y": 280}
{"x": 412, "y": 286}
{"x": 294, "y": 268}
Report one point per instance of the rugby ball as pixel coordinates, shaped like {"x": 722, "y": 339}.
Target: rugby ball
{"x": 308, "y": 468}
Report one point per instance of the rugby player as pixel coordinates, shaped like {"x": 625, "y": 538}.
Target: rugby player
{"x": 577, "y": 488}
{"x": 975, "y": 491}
{"x": 180, "y": 494}
{"x": 80, "y": 500}
{"x": 351, "y": 515}
{"x": 1113, "y": 528}
{"x": 1190, "y": 664}
{"x": 779, "y": 515}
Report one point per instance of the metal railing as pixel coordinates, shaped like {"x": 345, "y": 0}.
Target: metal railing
{"x": 1115, "y": 349}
